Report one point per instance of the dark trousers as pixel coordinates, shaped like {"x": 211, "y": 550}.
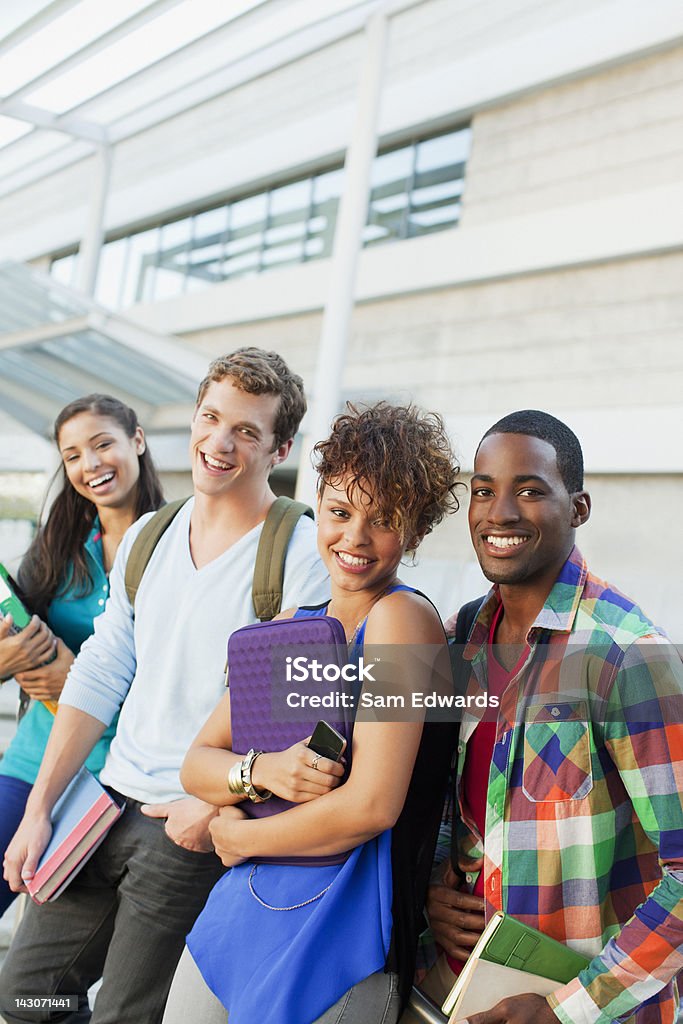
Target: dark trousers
{"x": 124, "y": 918}
{"x": 13, "y": 796}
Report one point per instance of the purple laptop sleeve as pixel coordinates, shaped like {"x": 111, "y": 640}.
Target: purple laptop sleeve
{"x": 258, "y": 692}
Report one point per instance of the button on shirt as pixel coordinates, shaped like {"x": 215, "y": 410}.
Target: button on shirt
{"x": 584, "y": 818}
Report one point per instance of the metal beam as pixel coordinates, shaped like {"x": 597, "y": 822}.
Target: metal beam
{"x": 348, "y": 236}
{"x": 34, "y": 335}
{"x": 88, "y": 131}
{"x": 35, "y": 170}
{"x": 260, "y": 62}
{"x": 34, "y": 24}
{"x": 293, "y": 47}
{"x": 96, "y": 46}
{"x": 93, "y": 235}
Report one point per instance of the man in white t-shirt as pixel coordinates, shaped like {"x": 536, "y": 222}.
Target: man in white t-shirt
{"x": 126, "y": 913}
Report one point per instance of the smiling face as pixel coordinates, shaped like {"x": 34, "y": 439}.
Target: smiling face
{"x": 100, "y": 460}
{"x": 359, "y": 551}
{"x": 522, "y": 518}
{"x": 232, "y": 441}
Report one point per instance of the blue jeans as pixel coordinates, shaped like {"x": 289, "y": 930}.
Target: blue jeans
{"x": 124, "y": 918}
{"x": 13, "y": 796}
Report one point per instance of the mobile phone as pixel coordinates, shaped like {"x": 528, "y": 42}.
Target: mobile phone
{"x": 10, "y": 604}
{"x": 327, "y": 742}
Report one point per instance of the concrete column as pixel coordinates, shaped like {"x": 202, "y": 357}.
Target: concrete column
{"x": 93, "y": 235}
{"x": 351, "y": 218}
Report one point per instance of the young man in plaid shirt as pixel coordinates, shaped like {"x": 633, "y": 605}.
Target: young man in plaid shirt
{"x": 569, "y": 810}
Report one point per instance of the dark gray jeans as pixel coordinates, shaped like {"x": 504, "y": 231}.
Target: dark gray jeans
{"x": 124, "y": 918}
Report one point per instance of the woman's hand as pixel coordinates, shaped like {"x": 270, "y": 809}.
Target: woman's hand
{"x": 224, "y": 830}
{"x": 290, "y": 773}
{"x": 47, "y": 682}
{"x": 25, "y": 650}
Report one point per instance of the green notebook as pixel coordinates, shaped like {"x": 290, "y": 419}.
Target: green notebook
{"x": 510, "y": 958}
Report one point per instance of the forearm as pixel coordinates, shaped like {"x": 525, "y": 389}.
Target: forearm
{"x": 334, "y": 823}
{"x": 74, "y": 734}
{"x": 205, "y": 775}
{"x": 635, "y": 965}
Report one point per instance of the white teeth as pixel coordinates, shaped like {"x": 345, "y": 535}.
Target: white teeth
{"x": 101, "y": 480}
{"x": 352, "y": 559}
{"x": 215, "y": 463}
{"x": 506, "y": 542}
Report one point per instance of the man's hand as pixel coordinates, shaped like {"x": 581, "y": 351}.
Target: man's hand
{"x": 187, "y": 822}
{"x": 24, "y": 650}
{"x": 224, "y": 834}
{"x": 291, "y": 775}
{"x": 47, "y": 681}
{"x": 25, "y": 850}
{"x": 516, "y": 1010}
{"x": 455, "y": 918}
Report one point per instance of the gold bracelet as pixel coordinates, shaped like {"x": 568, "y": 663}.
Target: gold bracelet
{"x": 235, "y": 784}
{"x": 257, "y": 796}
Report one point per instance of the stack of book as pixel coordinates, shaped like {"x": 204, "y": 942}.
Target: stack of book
{"x": 81, "y": 819}
{"x": 510, "y": 959}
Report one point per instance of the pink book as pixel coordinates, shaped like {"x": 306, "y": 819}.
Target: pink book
{"x": 81, "y": 819}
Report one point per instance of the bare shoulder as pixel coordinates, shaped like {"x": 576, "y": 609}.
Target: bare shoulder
{"x": 404, "y": 617}
{"x": 288, "y": 613}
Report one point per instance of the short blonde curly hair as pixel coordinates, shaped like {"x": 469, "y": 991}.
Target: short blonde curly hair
{"x": 398, "y": 458}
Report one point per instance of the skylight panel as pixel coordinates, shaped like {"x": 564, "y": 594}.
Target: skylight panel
{"x": 151, "y": 42}
{"x": 61, "y": 38}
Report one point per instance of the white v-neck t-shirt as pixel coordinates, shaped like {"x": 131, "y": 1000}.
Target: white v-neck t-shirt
{"x": 165, "y": 666}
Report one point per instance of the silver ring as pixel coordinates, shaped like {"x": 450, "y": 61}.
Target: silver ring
{"x": 315, "y": 761}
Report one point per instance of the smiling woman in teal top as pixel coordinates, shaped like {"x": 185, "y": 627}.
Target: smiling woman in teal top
{"x": 108, "y": 480}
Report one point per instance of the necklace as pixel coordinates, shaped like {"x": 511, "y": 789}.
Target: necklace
{"x": 359, "y": 625}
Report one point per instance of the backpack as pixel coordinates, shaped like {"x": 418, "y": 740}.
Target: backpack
{"x": 463, "y": 627}
{"x": 269, "y": 567}
{"x": 461, "y": 672}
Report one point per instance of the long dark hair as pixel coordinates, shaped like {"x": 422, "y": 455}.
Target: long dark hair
{"x": 56, "y": 557}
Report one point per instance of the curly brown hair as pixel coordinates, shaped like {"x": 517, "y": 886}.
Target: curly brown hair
{"x": 259, "y": 372}
{"x": 396, "y": 457}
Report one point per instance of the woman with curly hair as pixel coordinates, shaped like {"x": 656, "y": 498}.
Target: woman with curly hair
{"x": 343, "y": 945}
{"x": 107, "y": 480}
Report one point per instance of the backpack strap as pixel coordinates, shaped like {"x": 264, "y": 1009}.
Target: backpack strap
{"x": 460, "y": 669}
{"x": 269, "y": 569}
{"x": 145, "y": 543}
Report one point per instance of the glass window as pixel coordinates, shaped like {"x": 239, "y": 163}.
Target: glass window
{"x": 415, "y": 189}
{"x": 64, "y": 269}
{"x": 327, "y": 188}
{"x": 138, "y": 285}
{"x": 288, "y": 212}
{"x": 390, "y": 180}
{"x": 111, "y": 273}
{"x": 438, "y": 182}
{"x": 245, "y": 235}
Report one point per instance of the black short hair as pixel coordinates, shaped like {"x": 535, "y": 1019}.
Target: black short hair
{"x": 534, "y": 423}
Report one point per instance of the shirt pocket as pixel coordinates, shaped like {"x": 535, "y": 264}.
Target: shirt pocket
{"x": 557, "y": 757}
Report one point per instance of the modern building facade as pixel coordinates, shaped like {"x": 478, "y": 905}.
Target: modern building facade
{"x": 523, "y": 245}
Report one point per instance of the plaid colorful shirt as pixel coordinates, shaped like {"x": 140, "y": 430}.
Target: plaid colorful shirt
{"x": 584, "y": 823}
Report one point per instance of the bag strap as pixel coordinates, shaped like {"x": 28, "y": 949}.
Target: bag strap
{"x": 269, "y": 569}
{"x": 463, "y": 627}
{"x": 145, "y": 543}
